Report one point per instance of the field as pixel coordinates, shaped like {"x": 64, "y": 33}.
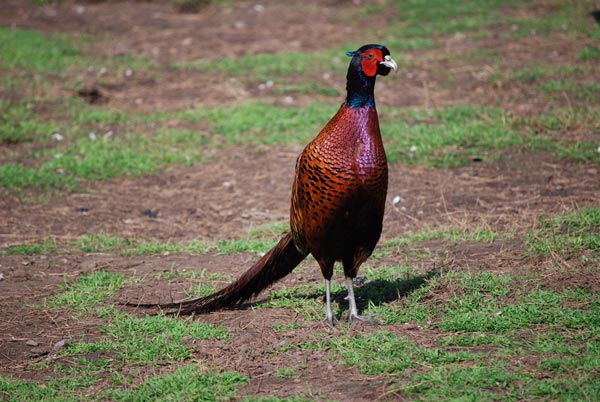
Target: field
{"x": 147, "y": 152}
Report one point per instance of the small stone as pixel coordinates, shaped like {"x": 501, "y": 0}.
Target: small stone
{"x": 39, "y": 351}
{"x": 88, "y": 265}
{"x": 397, "y": 200}
{"x": 31, "y": 342}
{"x": 459, "y": 36}
{"x": 19, "y": 273}
{"x": 61, "y": 344}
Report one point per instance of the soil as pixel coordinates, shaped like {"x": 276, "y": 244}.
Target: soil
{"x": 245, "y": 187}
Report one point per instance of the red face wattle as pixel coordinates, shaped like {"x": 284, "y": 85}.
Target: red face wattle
{"x": 369, "y": 60}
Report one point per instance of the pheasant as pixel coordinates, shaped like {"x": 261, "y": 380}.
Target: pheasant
{"x": 338, "y": 198}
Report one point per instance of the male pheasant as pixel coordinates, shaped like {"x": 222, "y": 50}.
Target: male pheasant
{"x": 338, "y": 197}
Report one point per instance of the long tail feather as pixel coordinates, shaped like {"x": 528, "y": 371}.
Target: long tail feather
{"x": 274, "y": 265}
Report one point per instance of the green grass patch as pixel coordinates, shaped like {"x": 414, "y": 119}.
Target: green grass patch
{"x": 418, "y": 20}
{"x": 150, "y": 339}
{"x": 264, "y": 67}
{"x": 590, "y": 53}
{"x": 156, "y": 247}
{"x": 440, "y": 138}
{"x": 448, "y": 137}
{"x": 482, "y": 303}
{"x": 18, "y": 124}
{"x": 456, "y": 135}
{"x": 385, "y": 353}
{"x": 547, "y": 133}
{"x": 63, "y": 388}
{"x": 48, "y": 246}
{"x": 34, "y": 51}
{"x": 478, "y": 312}
{"x": 88, "y": 290}
{"x": 96, "y": 243}
{"x": 187, "y": 383}
{"x": 244, "y": 246}
{"x": 454, "y": 235}
{"x": 261, "y": 123}
{"x": 129, "y": 342}
{"x": 567, "y": 233}
{"x": 103, "y": 158}
{"x": 304, "y": 299}
{"x": 487, "y": 320}
{"x": 566, "y": 18}
{"x": 583, "y": 92}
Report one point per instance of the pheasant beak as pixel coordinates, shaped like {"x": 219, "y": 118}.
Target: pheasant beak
{"x": 390, "y": 63}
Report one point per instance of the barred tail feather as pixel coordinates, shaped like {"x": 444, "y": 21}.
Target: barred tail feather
{"x": 273, "y": 266}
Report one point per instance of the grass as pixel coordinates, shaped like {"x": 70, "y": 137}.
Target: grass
{"x": 476, "y": 322}
{"x": 34, "y": 51}
{"x": 66, "y": 166}
{"x": 101, "y": 243}
{"x": 261, "y": 123}
{"x": 460, "y": 134}
{"x": 477, "y": 325}
{"x": 585, "y": 92}
{"x": 163, "y": 338}
{"x": 18, "y": 124}
{"x": 449, "y": 137}
{"x": 191, "y": 381}
{"x": 88, "y": 290}
{"x": 567, "y": 233}
{"x": 275, "y": 67}
{"x": 590, "y": 53}
{"x": 186, "y": 383}
{"x": 126, "y": 341}
{"x": 566, "y": 19}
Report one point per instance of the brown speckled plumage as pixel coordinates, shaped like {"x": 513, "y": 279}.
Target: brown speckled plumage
{"x": 339, "y": 191}
{"x": 338, "y": 197}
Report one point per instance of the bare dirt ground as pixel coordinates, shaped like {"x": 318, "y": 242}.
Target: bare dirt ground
{"x": 193, "y": 203}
